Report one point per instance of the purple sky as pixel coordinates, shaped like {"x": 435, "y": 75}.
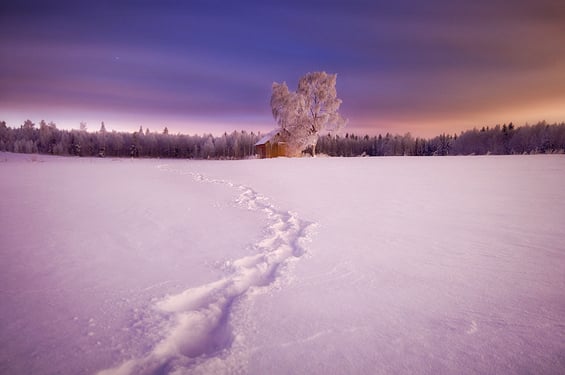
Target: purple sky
{"x": 423, "y": 67}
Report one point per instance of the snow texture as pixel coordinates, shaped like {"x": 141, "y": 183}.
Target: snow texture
{"x": 200, "y": 315}
{"x": 326, "y": 265}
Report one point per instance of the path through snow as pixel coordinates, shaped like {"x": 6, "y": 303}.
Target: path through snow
{"x": 204, "y": 335}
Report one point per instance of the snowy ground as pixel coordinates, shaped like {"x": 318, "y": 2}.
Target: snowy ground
{"x": 318, "y": 266}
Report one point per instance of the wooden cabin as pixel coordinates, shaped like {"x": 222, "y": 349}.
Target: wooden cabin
{"x": 271, "y": 146}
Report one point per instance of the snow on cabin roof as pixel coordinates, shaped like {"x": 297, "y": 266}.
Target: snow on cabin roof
{"x": 267, "y": 137}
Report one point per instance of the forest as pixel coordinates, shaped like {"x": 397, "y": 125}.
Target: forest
{"x": 46, "y": 138}
{"x": 540, "y": 138}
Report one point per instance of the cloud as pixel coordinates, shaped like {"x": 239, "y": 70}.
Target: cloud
{"x": 406, "y": 62}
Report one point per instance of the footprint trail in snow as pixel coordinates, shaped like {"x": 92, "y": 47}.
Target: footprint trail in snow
{"x": 201, "y": 334}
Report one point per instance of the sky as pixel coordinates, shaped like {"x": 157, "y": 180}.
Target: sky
{"x": 424, "y": 67}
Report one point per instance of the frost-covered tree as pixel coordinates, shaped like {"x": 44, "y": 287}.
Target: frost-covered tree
{"x": 304, "y": 114}
{"x": 28, "y": 124}
{"x": 48, "y": 137}
{"x": 102, "y": 140}
{"x": 4, "y": 132}
{"x": 288, "y": 107}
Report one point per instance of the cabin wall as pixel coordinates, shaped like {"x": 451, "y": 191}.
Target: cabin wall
{"x": 271, "y": 150}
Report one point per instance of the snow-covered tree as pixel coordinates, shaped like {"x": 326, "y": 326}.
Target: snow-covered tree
{"x": 28, "y": 124}
{"x": 304, "y": 114}
{"x": 102, "y": 140}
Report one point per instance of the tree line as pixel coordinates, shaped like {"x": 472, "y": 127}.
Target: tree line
{"x": 540, "y": 138}
{"x": 46, "y": 138}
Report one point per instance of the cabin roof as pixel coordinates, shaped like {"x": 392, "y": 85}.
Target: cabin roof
{"x": 267, "y": 137}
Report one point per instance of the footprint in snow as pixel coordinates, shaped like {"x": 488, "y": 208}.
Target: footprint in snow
{"x": 200, "y": 316}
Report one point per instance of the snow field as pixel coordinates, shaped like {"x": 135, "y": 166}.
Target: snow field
{"x": 419, "y": 265}
{"x": 319, "y": 266}
{"x": 201, "y": 315}
{"x": 89, "y": 245}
